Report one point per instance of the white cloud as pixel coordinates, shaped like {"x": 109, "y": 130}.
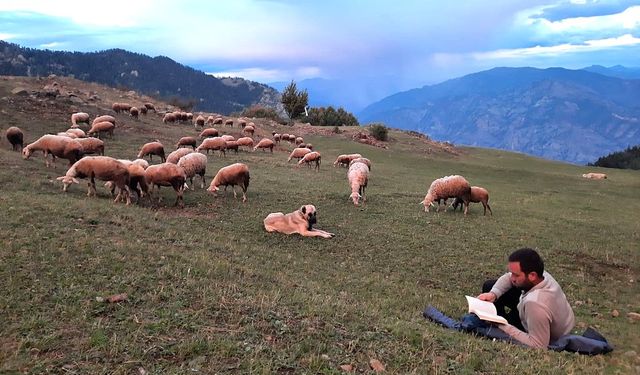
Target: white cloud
{"x": 6, "y": 36}
{"x": 253, "y": 74}
{"x": 50, "y": 45}
{"x": 628, "y": 19}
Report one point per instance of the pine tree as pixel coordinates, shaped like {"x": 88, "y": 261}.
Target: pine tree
{"x": 294, "y": 100}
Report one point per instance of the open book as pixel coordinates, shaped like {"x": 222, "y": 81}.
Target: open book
{"x": 485, "y": 310}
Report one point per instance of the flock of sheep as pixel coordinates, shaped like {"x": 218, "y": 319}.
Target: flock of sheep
{"x": 127, "y": 177}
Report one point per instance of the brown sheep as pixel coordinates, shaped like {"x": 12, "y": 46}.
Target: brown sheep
{"x": 448, "y": 187}
{"x": 232, "y": 145}
{"x": 187, "y": 141}
{"x": 215, "y": 143}
{"x": 91, "y": 145}
{"x": 234, "y": 174}
{"x": 152, "y": 148}
{"x": 298, "y": 153}
{"x": 58, "y": 146}
{"x": 595, "y": 176}
{"x": 264, "y": 144}
{"x": 137, "y": 180}
{"x": 134, "y": 112}
{"x": 478, "y": 195}
{"x": 169, "y": 117}
{"x": 311, "y": 157}
{"x": 103, "y": 118}
{"x": 79, "y": 117}
{"x": 217, "y": 121}
{"x": 177, "y": 154}
{"x": 228, "y": 122}
{"x": 345, "y": 159}
{"x": 102, "y": 127}
{"x": 101, "y": 167}
{"x": 167, "y": 174}
{"x": 209, "y": 132}
{"x": 249, "y": 130}
{"x": 193, "y": 164}
{"x": 15, "y": 137}
{"x": 199, "y": 121}
{"x": 245, "y": 141}
{"x": 150, "y": 106}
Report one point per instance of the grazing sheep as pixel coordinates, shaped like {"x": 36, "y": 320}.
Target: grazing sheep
{"x": 167, "y": 174}
{"x": 242, "y": 123}
{"x": 234, "y": 174}
{"x": 448, "y": 187}
{"x": 137, "y": 179}
{"x": 104, "y": 168}
{"x": 209, "y": 132}
{"x": 361, "y": 160}
{"x": 150, "y": 106}
{"x": 215, "y": 143}
{"x": 193, "y": 164}
{"x": 344, "y": 159}
{"x": 249, "y": 130}
{"x": 177, "y": 154}
{"x": 189, "y": 116}
{"x": 141, "y": 162}
{"x": 187, "y": 141}
{"x": 217, "y": 121}
{"x": 228, "y": 137}
{"x": 284, "y": 137}
{"x": 79, "y": 117}
{"x": 199, "y": 122}
{"x": 68, "y": 135}
{"x": 228, "y": 122}
{"x": 210, "y": 120}
{"x": 79, "y": 133}
{"x": 152, "y": 148}
{"x": 143, "y": 110}
{"x": 311, "y": 157}
{"x": 595, "y": 176}
{"x": 57, "y": 146}
{"x": 232, "y": 145}
{"x": 103, "y": 118}
{"x": 91, "y": 145}
{"x": 298, "y": 153}
{"x": 309, "y": 146}
{"x": 264, "y": 144}
{"x": 102, "y": 127}
{"x": 121, "y": 107}
{"x": 358, "y": 176}
{"x": 245, "y": 141}
{"x": 299, "y": 140}
{"x": 134, "y": 112}
{"x": 169, "y": 117}
{"x": 292, "y": 138}
{"x": 478, "y": 195}
{"x": 276, "y": 137}
{"x": 15, "y": 137}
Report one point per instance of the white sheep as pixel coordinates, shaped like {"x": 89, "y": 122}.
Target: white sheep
{"x": 228, "y": 137}
{"x": 234, "y": 174}
{"x": 448, "y": 187}
{"x": 361, "y": 160}
{"x": 79, "y": 117}
{"x": 209, "y": 132}
{"x": 344, "y": 159}
{"x": 175, "y": 156}
{"x": 264, "y": 144}
{"x": 104, "y": 168}
{"x": 167, "y": 174}
{"x": 79, "y": 133}
{"x": 199, "y": 121}
{"x": 358, "y": 176}
{"x": 249, "y": 130}
{"x": 298, "y": 153}
{"x": 137, "y": 178}
{"x": 57, "y": 146}
{"x": 311, "y": 157}
{"x": 245, "y": 141}
{"x": 215, "y": 143}
{"x": 193, "y": 164}
{"x": 91, "y": 145}
{"x": 103, "y": 118}
{"x": 170, "y": 117}
{"x": 15, "y": 136}
{"x": 478, "y": 195}
{"x": 152, "y": 148}
{"x": 102, "y": 127}
{"x": 595, "y": 176}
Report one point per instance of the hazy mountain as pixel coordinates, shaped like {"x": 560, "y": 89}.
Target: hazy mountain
{"x": 570, "y": 115}
{"x": 156, "y": 76}
{"x": 617, "y": 71}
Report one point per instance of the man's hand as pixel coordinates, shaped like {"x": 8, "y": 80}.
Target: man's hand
{"x": 489, "y": 297}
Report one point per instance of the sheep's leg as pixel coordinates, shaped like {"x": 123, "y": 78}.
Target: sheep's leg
{"x": 466, "y": 208}
{"x": 235, "y": 196}
{"x": 202, "y": 185}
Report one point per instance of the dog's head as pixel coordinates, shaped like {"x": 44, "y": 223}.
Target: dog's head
{"x": 309, "y": 213}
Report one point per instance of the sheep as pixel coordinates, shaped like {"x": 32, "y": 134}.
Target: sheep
{"x": 215, "y": 143}
{"x": 137, "y": 179}
{"x": 104, "y": 168}
{"x": 167, "y": 174}
{"x": 249, "y": 130}
{"x": 209, "y": 132}
{"x": 478, "y": 195}
{"x": 345, "y": 159}
{"x": 175, "y": 156}
{"x": 228, "y": 122}
{"x": 298, "y": 153}
{"x": 193, "y": 164}
{"x": 187, "y": 141}
{"x": 141, "y": 162}
{"x": 199, "y": 121}
{"x": 79, "y": 117}
{"x": 79, "y": 133}
{"x": 152, "y": 148}
{"x": 57, "y": 146}
{"x": 15, "y": 136}
{"x": 134, "y": 112}
{"x": 309, "y": 146}
{"x": 311, "y": 157}
{"x": 361, "y": 160}
{"x": 292, "y": 138}
{"x": 91, "y": 145}
{"x": 217, "y": 121}
{"x": 448, "y": 187}
{"x": 232, "y": 145}
{"x": 234, "y": 174}
{"x": 299, "y": 140}
{"x": 595, "y": 176}
{"x": 245, "y": 141}
{"x": 276, "y": 137}
{"x": 150, "y": 106}
{"x": 358, "y": 176}
{"x": 121, "y": 107}
{"x": 103, "y": 118}
{"x": 143, "y": 110}
{"x": 210, "y": 120}
{"x": 189, "y": 116}
{"x": 228, "y": 137}
{"x": 243, "y": 123}
{"x": 264, "y": 144}
{"x": 68, "y": 135}
{"x": 169, "y": 117}
{"x": 102, "y": 127}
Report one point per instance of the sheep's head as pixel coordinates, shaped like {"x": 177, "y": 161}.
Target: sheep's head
{"x": 213, "y": 189}
{"x": 356, "y": 198}
{"x": 26, "y": 152}
{"x": 66, "y": 181}
{"x": 427, "y": 202}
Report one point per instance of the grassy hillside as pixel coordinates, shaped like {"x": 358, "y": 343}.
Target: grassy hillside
{"x": 211, "y": 291}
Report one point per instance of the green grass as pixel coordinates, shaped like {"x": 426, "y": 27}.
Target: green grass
{"x": 210, "y": 290}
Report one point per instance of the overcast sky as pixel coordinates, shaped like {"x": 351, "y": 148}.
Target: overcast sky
{"x": 412, "y": 42}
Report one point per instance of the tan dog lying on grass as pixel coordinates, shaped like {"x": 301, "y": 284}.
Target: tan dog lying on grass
{"x": 299, "y": 221}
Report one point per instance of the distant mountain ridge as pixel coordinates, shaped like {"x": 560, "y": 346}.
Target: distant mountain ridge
{"x": 569, "y": 115}
{"x": 156, "y": 76}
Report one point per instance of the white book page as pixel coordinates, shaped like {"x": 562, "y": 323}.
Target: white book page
{"x": 484, "y": 310}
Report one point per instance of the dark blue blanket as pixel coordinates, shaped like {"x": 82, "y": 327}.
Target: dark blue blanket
{"x": 590, "y": 342}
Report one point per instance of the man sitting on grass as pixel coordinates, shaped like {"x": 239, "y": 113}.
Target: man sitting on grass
{"x": 539, "y": 311}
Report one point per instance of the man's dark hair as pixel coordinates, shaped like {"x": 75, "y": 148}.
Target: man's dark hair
{"x": 529, "y": 260}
